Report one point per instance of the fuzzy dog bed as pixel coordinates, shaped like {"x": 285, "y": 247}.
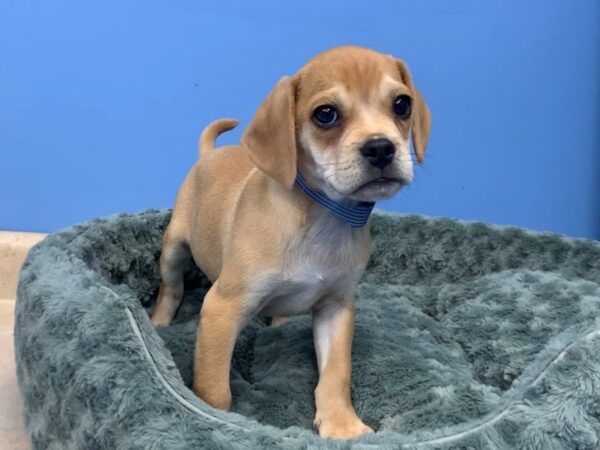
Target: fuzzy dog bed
{"x": 468, "y": 336}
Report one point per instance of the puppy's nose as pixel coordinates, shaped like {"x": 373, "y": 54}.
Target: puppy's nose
{"x": 379, "y": 152}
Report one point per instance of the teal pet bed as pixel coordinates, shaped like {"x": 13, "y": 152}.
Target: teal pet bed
{"x": 468, "y": 336}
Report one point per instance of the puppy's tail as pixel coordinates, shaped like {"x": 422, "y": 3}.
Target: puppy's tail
{"x": 212, "y": 132}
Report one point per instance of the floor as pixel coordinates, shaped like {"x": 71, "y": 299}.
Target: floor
{"x": 13, "y": 249}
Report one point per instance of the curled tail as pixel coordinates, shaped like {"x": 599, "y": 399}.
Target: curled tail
{"x": 212, "y": 132}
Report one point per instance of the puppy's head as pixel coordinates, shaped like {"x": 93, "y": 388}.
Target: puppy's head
{"x": 344, "y": 120}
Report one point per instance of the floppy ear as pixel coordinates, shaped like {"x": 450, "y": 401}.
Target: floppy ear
{"x": 420, "y": 118}
{"x": 270, "y": 139}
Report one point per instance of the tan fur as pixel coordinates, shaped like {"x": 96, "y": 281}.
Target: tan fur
{"x": 212, "y": 132}
{"x": 335, "y": 416}
{"x": 270, "y": 140}
{"x": 266, "y": 246}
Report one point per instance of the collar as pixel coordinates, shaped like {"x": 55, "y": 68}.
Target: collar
{"x": 356, "y": 216}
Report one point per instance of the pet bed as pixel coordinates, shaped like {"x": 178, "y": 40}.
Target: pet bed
{"x": 468, "y": 336}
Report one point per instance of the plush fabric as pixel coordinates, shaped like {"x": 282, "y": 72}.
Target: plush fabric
{"x": 468, "y": 336}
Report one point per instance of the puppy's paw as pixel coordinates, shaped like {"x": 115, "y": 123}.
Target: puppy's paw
{"x": 279, "y": 320}
{"x": 217, "y": 396}
{"x": 160, "y": 320}
{"x": 340, "y": 426}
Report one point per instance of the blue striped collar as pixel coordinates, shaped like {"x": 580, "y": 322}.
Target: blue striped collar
{"x": 356, "y": 216}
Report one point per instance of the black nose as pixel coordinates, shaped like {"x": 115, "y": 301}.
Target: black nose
{"x": 379, "y": 152}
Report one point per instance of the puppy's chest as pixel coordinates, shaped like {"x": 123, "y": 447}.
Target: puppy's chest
{"x": 322, "y": 264}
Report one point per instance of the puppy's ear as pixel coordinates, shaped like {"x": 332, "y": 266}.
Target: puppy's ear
{"x": 270, "y": 139}
{"x": 420, "y": 118}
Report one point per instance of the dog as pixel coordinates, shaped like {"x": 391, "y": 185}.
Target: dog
{"x": 278, "y": 222}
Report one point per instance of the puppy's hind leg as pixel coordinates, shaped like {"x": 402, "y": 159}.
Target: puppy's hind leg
{"x": 175, "y": 254}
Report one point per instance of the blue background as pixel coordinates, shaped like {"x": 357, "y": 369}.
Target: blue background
{"x": 101, "y": 103}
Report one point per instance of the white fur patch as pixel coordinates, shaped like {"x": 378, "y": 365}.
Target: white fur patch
{"x": 325, "y": 263}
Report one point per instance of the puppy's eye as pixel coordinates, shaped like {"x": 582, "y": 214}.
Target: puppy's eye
{"x": 402, "y": 106}
{"x": 325, "y": 116}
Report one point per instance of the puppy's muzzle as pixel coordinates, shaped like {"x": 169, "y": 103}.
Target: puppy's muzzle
{"x": 379, "y": 152}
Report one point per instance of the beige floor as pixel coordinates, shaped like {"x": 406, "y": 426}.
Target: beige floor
{"x": 13, "y": 249}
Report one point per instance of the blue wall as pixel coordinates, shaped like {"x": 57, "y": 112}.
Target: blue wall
{"x": 101, "y": 103}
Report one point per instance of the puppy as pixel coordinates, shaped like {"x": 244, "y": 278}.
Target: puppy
{"x": 278, "y": 222}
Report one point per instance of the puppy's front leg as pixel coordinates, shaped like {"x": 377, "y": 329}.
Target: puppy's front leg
{"x": 220, "y": 321}
{"x": 333, "y": 326}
